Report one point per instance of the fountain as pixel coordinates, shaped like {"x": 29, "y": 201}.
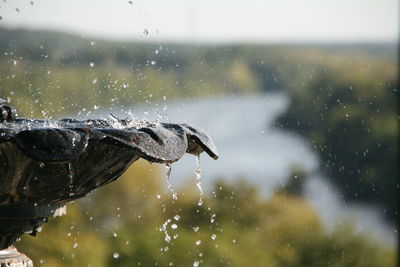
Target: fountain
{"x": 45, "y": 164}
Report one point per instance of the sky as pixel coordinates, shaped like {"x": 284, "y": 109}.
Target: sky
{"x": 227, "y": 21}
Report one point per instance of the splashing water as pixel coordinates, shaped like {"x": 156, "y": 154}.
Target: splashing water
{"x": 198, "y": 181}
{"x": 169, "y": 185}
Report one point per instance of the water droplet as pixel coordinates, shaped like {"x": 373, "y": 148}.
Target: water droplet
{"x": 75, "y": 245}
{"x": 163, "y": 228}
{"x": 177, "y": 217}
{"x": 96, "y": 107}
{"x": 41, "y": 165}
{"x": 198, "y": 242}
{"x": 94, "y": 81}
{"x": 212, "y": 220}
{"x": 214, "y": 236}
{"x": 42, "y": 261}
{"x": 91, "y": 64}
{"x": 158, "y": 196}
{"x": 153, "y": 62}
{"x": 196, "y": 264}
{"x": 174, "y": 226}
{"x": 115, "y": 234}
{"x": 116, "y": 255}
{"x": 196, "y": 228}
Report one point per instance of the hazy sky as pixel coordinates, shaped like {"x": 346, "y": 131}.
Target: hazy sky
{"x": 211, "y": 20}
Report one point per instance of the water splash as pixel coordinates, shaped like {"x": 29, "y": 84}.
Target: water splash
{"x": 198, "y": 181}
{"x": 169, "y": 185}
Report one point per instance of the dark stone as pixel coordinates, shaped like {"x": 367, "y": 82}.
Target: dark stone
{"x": 44, "y": 164}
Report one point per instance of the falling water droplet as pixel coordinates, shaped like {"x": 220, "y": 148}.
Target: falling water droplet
{"x": 196, "y": 228}
{"x": 163, "y": 228}
{"x": 198, "y": 242}
{"x": 213, "y": 236}
{"x": 116, "y": 255}
{"x": 212, "y": 220}
{"x": 174, "y": 226}
{"x": 91, "y": 64}
{"x": 196, "y": 264}
{"x": 75, "y": 245}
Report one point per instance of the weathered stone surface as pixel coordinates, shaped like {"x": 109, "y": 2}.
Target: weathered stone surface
{"x": 52, "y": 162}
{"x": 44, "y": 164}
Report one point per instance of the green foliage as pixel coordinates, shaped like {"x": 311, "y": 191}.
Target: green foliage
{"x": 125, "y": 216}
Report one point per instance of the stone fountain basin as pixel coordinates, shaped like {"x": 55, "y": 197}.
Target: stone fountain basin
{"x": 47, "y": 163}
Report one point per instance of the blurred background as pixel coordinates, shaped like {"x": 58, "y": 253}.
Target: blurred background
{"x": 300, "y": 97}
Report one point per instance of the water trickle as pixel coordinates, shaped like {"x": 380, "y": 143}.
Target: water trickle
{"x": 70, "y": 175}
{"x": 169, "y": 185}
{"x": 198, "y": 180}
